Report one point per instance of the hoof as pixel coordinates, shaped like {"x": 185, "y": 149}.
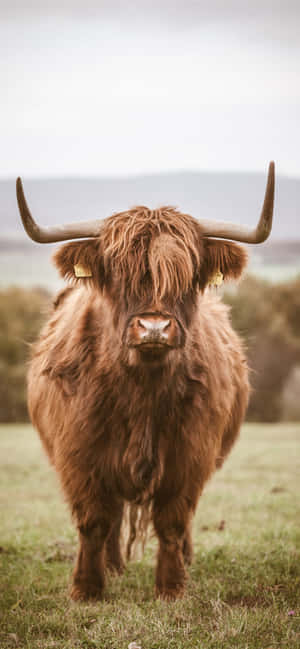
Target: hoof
{"x": 83, "y": 592}
{"x": 170, "y": 594}
{"x": 115, "y": 568}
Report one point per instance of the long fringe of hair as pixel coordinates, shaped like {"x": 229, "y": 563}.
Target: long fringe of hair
{"x": 145, "y": 246}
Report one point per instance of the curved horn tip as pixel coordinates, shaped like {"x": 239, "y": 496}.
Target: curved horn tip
{"x": 271, "y": 172}
{"x": 272, "y": 167}
{"x": 19, "y": 187}
{"x": 265, "y": 223}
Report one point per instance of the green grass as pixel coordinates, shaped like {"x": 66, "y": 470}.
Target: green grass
{"x": 244, "y": 581}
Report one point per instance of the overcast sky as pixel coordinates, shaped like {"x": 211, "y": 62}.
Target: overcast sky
{"x": 109, "y": 88}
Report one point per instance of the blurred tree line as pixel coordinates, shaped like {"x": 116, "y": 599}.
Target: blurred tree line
{"x": 22, "y": 313}
{"x": 267, "y": 316}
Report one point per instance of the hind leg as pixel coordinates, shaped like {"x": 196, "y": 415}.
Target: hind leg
{"x": 114, "y": 560}
{"x": 187, "y": 548}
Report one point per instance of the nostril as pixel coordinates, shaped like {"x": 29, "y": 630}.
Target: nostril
{"x": 166, "y": 324}
{"x": 143, "y": 324}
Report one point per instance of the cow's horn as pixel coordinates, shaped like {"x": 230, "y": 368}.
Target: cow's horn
{"x": 210, "y": 228}
{"x": 242, "y": 233}
{"x": 53, "y": 234}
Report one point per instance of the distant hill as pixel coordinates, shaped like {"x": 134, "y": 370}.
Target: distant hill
{"x": 226, "y": 196}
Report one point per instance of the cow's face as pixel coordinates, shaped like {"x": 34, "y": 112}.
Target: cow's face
{"x": 151, "y": 265}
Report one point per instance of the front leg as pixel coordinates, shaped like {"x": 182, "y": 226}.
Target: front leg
{"x": 88, "y": 577}
{"x": 171, "y": 523}
{"x": 94, "y": 530}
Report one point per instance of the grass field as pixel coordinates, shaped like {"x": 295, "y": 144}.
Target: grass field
{"x": 244, "y": 584}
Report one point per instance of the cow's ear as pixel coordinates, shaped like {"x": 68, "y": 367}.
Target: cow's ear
{"x": 81, "y": 261}
{"x": 222, "y": 257}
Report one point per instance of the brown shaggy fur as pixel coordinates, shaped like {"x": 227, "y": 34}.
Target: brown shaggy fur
{"x": 119, "y": 429}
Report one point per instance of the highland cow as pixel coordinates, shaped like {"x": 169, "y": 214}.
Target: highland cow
{"x": 138, "y": 384}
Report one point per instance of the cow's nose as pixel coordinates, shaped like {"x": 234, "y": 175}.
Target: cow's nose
{"x": 153, "y": 329}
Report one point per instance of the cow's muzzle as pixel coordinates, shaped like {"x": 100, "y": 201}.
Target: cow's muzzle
{"x": 154, "y": 332}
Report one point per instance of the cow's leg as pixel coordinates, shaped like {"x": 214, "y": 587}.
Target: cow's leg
{"x": 187, "y": 548}
{"x": 171, "y": 523}
{"x": 114, "y": 561}
{"x": 94, "y": 529}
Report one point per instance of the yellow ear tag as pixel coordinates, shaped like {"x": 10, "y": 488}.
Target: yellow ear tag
{"x": 216, "y": 279}
{"x": 82, "y": 271}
